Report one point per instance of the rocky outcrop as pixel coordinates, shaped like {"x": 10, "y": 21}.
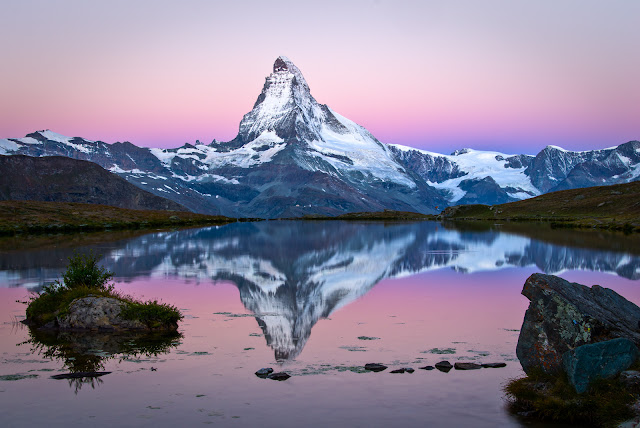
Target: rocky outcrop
{"x": 563, "y": 316}
{"x": 598, "y": 360}
{"x": 101, "y": 314}
{"x": 97, "y": 313}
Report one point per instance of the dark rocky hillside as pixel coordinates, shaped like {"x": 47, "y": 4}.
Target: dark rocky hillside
{"x": 62, "y": 179}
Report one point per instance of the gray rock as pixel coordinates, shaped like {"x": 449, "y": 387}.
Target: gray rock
{"x": 467, "y": 366}
{"x": 427, "y": 368}
{"x": 97, "y": 313}
{"x": 375, "y": 367}
{"x": 598, "y": 360}
{"x": 493, "y": 365}
{"x": 444, "y": 366}
{"x": 563, "y": 315}
{"x": 403, "y": 370}
{"x": 264, "y": 372}
{"x": 279, "y": 376}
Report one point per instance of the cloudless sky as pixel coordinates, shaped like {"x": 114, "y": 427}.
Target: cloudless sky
{"x": 440, "y": 75}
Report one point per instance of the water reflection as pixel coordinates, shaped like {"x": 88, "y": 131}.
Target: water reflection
{"x": 291, "y": 274}
{"x": 84, "y": 354}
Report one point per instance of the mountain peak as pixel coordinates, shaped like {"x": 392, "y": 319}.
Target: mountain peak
{"x": 285, "y": 96}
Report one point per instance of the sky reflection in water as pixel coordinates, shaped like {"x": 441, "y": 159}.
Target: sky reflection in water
{"x": 401, "y": 294}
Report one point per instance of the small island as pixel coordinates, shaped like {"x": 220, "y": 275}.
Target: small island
{"x": 85, "y": 300}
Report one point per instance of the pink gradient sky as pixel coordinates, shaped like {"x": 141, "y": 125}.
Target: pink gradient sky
{"x": 439, "y": 75}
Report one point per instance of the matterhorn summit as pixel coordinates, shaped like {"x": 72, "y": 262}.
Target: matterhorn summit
{"x": 286, "y": 107}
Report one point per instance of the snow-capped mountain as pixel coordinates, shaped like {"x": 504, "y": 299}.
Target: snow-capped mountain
{"x": 293, "y": 156}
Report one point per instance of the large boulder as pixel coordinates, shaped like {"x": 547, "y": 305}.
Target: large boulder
{"x": 598, "y": 360}
{"x": 97, "y": 313}
{"x": 564, "y": 315}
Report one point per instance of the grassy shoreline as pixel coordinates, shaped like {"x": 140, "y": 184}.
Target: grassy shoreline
{"x": 36, "y": 217}
{"x": 614, "y": 207}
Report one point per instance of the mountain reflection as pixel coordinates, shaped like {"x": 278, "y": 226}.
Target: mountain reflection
{"x": 291, "y": 273}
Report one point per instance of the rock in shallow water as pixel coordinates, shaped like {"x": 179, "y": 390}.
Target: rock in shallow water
{"x": 493, "y": 365}
{"x": 598, "y": 360}
{"x": 97, "y": 313}
{"x": 279, "y": 376}
{"x": 403, "y": 370}
{"x": 564, "y": 315}
{"x": 444, "y": 366}
{"x": 375, "y": 367}
{"x": 467, "y": 366}
{"x": 264, "y": 372}
{"x": 427, "y": 368}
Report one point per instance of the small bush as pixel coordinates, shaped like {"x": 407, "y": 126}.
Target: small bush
{"x": 152, "y": 313}
{"x": 85, "y": 277}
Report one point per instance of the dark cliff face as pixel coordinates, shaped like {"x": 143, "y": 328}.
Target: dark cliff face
{"x": 61, "y": 179}
{"x": 485, "y": 191}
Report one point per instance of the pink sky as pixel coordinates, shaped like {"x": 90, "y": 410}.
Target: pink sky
{"x": 512, "y": 76}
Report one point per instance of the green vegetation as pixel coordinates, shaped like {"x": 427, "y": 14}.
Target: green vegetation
{"x": 84, "y": 277}
{"x": 614, "y": 207}
{"x": 552, "y": 398}
{"x": 64, "y": 217}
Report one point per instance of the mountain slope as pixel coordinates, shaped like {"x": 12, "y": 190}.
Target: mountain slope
{"x": 61, "y": 179}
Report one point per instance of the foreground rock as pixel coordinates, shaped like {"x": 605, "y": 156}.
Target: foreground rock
{"x": 563, "y": 316}
{"x": 97, "y": 313}
{"x": 598, "y": 360}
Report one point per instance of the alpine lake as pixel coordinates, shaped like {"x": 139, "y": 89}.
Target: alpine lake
{"x": 315, "y": 299}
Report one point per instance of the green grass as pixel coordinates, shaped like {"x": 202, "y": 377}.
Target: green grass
{"x": 35, "y": 217}
{"x": 83, "y": 278}
{"x": 614, "y": 207}
{"x": 553, "y": 399}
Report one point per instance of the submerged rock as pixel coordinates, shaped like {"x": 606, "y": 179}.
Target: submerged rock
{"x": 598, "y": 360}
{"x": 427, "y": 368}
{"x": 279, "y": 376}
{"x": 403, "y": 370}
{"x": 444, "y": 366}
{"x": 79, "y": 375}
{"x": 467, "y": 366}
{"x": 375, "y": 367}
{"x": 564, "y": 315}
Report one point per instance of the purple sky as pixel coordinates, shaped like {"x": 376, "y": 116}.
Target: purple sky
{"x": 506, "y": 75}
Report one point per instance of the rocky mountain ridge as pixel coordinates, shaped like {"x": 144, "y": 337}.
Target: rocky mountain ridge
{"x": 293, "y": 156}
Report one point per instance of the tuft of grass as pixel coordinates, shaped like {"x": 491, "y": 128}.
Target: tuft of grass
{"x": 83, "y": 278}
{"x": 152, "y": 313}
{"x": 552, "y": 398}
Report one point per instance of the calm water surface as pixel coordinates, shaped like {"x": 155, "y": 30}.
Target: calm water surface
{"x": 315, "y": 299}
